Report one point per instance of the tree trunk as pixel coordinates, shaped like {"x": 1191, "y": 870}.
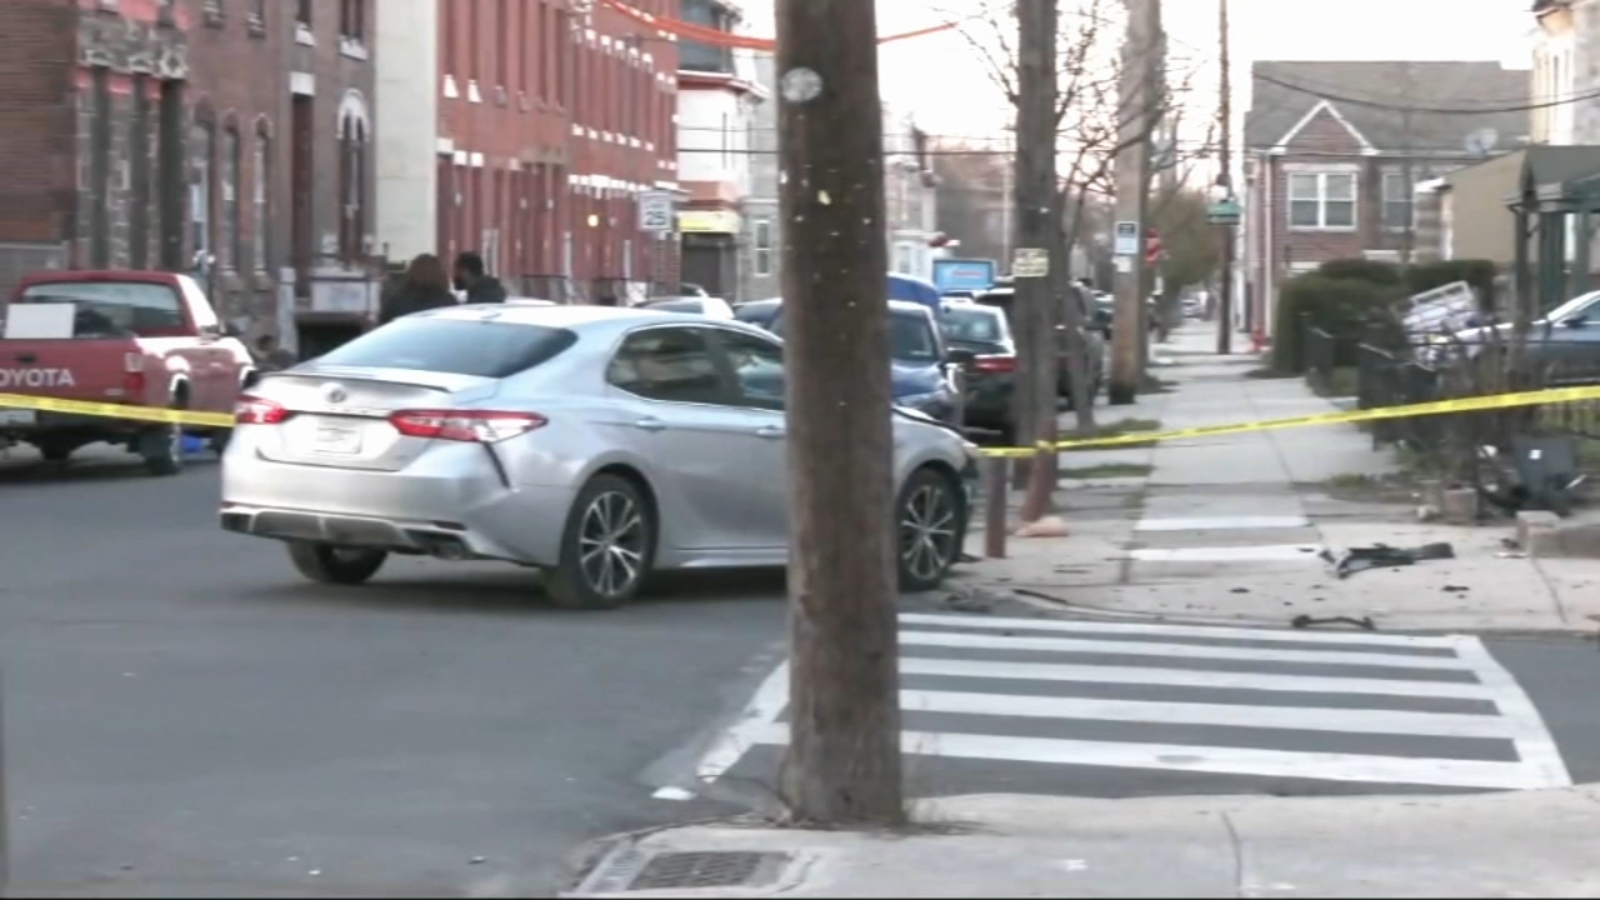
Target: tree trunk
{"x": 843, "y": 764}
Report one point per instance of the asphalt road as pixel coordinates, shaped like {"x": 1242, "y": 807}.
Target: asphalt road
{"x": 185, "y": 715}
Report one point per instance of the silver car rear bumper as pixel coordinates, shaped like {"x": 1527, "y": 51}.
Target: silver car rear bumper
{"x": 441, "y": 505}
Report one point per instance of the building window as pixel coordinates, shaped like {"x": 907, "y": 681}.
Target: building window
{"x": 763, "y": 248}
{"x": 261, "y": 166}
{"x": 562, "y": 56}
{"x": 1322, "y": 200}
{"x": 353, "y": 20}
{"x": 699, "y": 57}
{"x": 1397, "y": 202}
{"x": 302, "y": 13}
{"x": 508, "y": 40}
{"x": 100, "y": 171}
{"x": 352, "y": 187}
{"x": 200, "y": 195}
{"x": 228, "y": 181}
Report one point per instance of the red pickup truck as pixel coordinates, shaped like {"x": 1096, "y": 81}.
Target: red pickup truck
{"x": 134, "y": 338}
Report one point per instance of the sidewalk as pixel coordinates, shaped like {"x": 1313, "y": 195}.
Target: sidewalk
{"x": 1230, "y": 528}
{"x": 1527, "y": 844}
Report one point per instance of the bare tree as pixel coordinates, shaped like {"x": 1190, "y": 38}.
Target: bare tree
{"x": 1091, "y": 121}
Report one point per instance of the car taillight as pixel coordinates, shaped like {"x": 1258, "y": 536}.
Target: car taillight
{"x": 133, "y": 384}
{"x": 484, "y": 426}
{"x": 995, "y": 364}
{"x": 256, "y": 411}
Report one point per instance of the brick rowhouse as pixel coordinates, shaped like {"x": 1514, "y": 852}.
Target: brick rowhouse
{"x": 552, "y": 117}
{"x": 159, "y": 133}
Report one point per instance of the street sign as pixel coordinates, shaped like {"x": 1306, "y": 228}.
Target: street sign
{"x": 1030, "y": 262}
{"x": 1225, "y": 212}
{"x": 1128, "y": 242}
{"x": 655, "y": 212}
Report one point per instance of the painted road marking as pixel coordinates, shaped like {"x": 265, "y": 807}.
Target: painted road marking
{"x": 1223, "y": 523}
{"x": 987, "y": 701}
{"x": 1307, "y": 553}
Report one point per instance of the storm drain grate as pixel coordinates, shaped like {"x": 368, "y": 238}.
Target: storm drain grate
{"x": 684, "y": 871}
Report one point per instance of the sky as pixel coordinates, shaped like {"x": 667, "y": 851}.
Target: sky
{"x": 942, "y": 81}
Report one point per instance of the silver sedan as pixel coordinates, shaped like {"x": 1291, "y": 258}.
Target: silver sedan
{"x": 597, "y": 444}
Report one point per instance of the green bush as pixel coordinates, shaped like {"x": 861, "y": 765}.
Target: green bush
{"x": 1381, "y": 273}
{"x": 1349, "y": 309}
{"x": 1479, "y": 273}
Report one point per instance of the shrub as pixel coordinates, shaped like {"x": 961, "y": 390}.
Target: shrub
{"x": 1380, "y": 273}
{"x": 1349, "y": 309}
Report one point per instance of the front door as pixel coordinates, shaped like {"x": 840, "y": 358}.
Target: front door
{"x": 756, "y": 367}
{"x": 676, "y": 416}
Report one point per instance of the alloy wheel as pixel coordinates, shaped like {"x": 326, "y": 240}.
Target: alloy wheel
{"x": 611, "y": 544}
{"x": 928, "y": 531}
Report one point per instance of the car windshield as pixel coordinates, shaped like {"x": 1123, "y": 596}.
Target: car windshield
{"x": 454, "y": 346}
{"x": 113, "y": 308}
{"x": 911, "y": 336}
{"x": 1583, "y": 304}
{"x": 973, "y": 325}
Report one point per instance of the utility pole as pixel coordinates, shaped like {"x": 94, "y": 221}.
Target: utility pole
{"x": 843, "y": 764}
{"x": 1137, "y": 105}
{"x": 1035, "y": 187}
{"x": 1225, "y": 182}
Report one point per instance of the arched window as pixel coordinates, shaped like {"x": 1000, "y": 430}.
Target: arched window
{"x": 353, "y": 132}
{"x": 231, "y": 247}
{"x": 260, "y": 210}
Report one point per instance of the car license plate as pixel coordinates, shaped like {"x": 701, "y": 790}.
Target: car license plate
{"x": 338, "y": 440}
{"x": 18, "y": 417}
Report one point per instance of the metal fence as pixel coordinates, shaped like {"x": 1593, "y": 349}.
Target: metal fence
{"x": 1422, "y": 372}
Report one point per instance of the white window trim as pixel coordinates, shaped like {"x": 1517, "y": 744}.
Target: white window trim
{"x": 1411, "y": 201}
{"x": 1322, "y": 202}
{"x": 763, "y": 249}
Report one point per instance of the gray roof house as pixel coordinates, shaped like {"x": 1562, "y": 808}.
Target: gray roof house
{"x": 1334, "y": 152}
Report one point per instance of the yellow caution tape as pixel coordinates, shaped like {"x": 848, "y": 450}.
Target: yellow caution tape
{"x": 1434, "y": 408}
{"x": 118, "y": 411}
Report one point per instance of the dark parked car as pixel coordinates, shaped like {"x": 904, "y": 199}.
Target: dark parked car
{"x": 979, "y": 338}
{"x": 1093, "y": 341}
{"x": 1565, "y": 343}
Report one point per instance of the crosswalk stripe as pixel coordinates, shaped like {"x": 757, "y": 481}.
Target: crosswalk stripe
{"x": 1005, "y": 623}
{"x": 1223, "y": 523}
{"x": 1306, "y": 553}
{"x": 1186, "y": 651}
{"x": 1430, "y": 771}
{"x": 1371, "y": 721}
{"x": 1191, "y": 678}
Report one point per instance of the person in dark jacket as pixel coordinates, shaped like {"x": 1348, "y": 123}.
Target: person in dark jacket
{"x": 425, "y": 286}
{"x": 474, "y": 278}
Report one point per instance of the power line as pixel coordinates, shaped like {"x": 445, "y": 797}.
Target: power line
{"x": 1437, "y": 110}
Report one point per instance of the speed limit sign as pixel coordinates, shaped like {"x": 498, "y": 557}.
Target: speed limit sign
{"x": 655, "y": 212}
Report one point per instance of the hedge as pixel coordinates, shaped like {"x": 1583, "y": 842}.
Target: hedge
{"x": 1347, "y": 308}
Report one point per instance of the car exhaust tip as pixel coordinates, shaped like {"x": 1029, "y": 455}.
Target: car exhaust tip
{"x": 442, "y": 547}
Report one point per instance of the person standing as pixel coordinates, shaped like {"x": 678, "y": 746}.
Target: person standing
{"x": 474, "y": 278}
{"x": 425, "y": 286}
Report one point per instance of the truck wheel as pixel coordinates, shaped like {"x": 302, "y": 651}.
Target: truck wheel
{"x": 161, "y": 449}
{"x": 55, "y": 451}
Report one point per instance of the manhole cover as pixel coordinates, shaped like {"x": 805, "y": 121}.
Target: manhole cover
{"x": 683, "y": 871}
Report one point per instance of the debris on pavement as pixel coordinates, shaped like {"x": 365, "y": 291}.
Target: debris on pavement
{"x": 1365, "y": 622}
{"x": 1383, "y": 556}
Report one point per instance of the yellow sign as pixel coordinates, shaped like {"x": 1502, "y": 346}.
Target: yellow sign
{"x": 1437, "y": 407}
{"x": 708, "y": 221}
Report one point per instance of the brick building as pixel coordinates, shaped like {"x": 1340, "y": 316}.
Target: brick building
{"x": 185, "y": 134}
{"x": 526, "y": 132}
{"x": 1333, "y": 158}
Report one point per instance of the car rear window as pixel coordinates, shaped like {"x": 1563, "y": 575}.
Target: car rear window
{"x": 455, "y": 346}
{"x": 974, "y": 325}
{"x": 113, "y": 308}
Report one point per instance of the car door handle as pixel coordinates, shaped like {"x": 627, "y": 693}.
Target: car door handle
{"x": 649, "y": 423}
{"x": 770, "y": 432}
